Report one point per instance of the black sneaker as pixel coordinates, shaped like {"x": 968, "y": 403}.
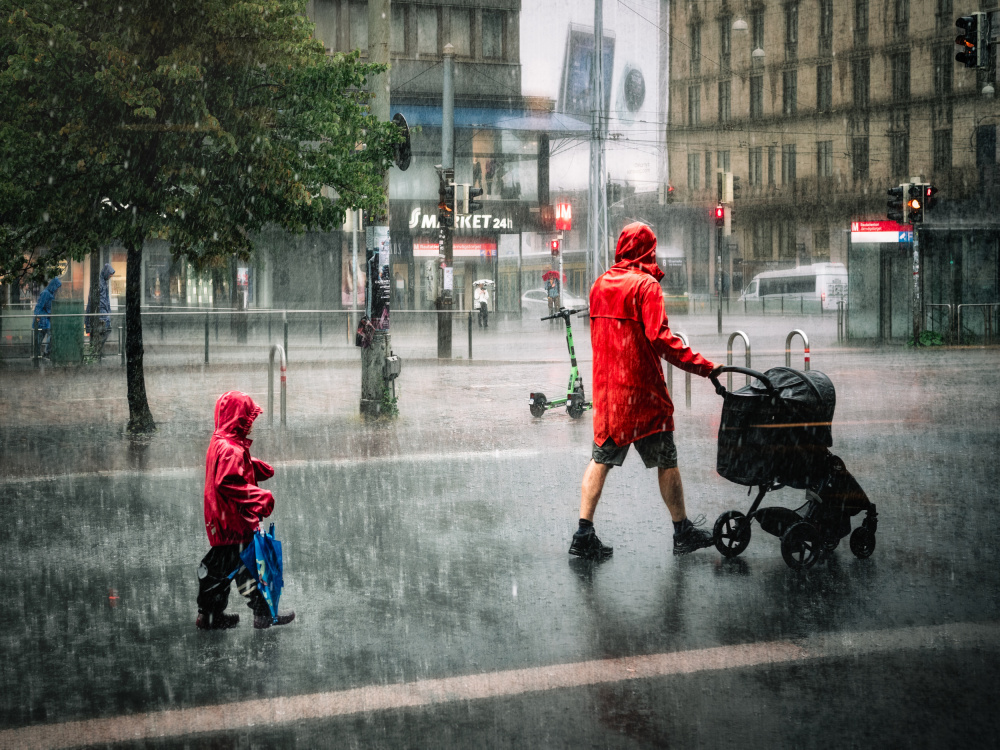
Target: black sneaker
{"x": 589, "y": 547}
{"x": 692, "y": 538}
{"x": 262, "y": 622}
{"x": 221, "y": 621}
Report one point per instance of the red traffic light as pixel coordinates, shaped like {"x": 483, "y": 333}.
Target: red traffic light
{"x": 554, "y": 246}
{"x": 720, "y": 215}
{"x": 564, "y": 217}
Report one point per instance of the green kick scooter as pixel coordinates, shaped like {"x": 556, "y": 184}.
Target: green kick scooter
{"x": 575, "y": 399}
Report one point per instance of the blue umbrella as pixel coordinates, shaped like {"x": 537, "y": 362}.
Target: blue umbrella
{"x": 263, "y": 559}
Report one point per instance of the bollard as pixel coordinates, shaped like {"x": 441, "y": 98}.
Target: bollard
{"x": 216, "y": 327}
{"x": 269, "y": 328}
{"x": 121, "y": 344}
{"x": 270, "y": 384}
{"x": 206, "y": 338}
{"x": 284, "y": 320}
{"x": 788, "y": 347}
{"x": 840, "y": 319}
{"x": 321, "y": 328}
{"x": 687, "y": 376}
{"x": 802, "y": 305}
{"x": 470, "y": 334}
{"x": 729, "y": 356}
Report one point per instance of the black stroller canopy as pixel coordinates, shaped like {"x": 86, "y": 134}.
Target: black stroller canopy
{"x": 809, "y": 397}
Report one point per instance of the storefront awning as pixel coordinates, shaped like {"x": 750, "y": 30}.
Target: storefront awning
{"x": 475, "y": 118}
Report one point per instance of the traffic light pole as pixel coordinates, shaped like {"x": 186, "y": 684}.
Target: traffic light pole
{"x": 445, "y": 299}
{"x": 918, "y": 310}
{"x": 374, "y": 383}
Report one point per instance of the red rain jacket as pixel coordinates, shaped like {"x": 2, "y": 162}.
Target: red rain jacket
{"x": 629, "y": 335}
{"x": 234, "y": 504}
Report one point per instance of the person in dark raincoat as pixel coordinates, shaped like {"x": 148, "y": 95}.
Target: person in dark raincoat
{"x": 43, "y": 308}
{"x": 629, "y": 335}
{"x": 101, "y": 329}
{"x": 234, "y": 507}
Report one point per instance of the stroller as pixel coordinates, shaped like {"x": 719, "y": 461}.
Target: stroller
{"x": 776, "y": 432}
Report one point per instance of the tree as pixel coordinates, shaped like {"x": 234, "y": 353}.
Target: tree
{"x": 196, "y": 121}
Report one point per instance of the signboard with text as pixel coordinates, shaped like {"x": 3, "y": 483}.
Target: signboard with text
{"x": 880, "y": 231}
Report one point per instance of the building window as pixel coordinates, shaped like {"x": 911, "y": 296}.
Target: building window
{"x": 788, "y": 164}
{"x": 899, "y": 155}
{"x": 325, "y": 13}
{"x": 461, "y": 31}
{"x": 757, "y": 29}
{"x": 901, "y": 14}
{"x": 824, "y": 158}
{"x": 756, "y": 175}
{"x": 786, "y": 239}
{"x": 944, "y": 63}
{"x": 725, "y": 40}
{"x": 942, "y": 150}
{"x": 694, "y": 171}
{"x": 789, "y": 91}
{"x": 725, "y": 101}
{"x": 756, "y": 97}
{"x": 771, "y": 164}
{"x": 762, "y": 241}
{"x": 723, "y": 161}
{"x": 791, "y": 31}
{"x": 825, "y": 27}
{"x": 427, "y": 31}
{"x": 694, "y": 104}
{"x": 900, "y": 64}
{"x": 397, "y": 41}
{"x": 860, "y": 71}
{"x": 944, "y": 13}
{"x": 708, "y": 170}
{"x": 358, "y": 14}
{"x": 824, "y": 88}
{"x": 860, "y": 22}
{"x": 493, "y": 28}
{"x": 821, "y": 245}
{"x": 859, "y": 159}
{"x": 695, "y": 49}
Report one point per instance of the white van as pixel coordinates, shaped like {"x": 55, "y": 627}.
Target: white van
{"x": 825, "y": 283}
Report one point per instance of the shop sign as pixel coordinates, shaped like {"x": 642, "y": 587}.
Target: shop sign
{"x": 465, "y": 248}
{"x": 880, "y": 231}
{"x": 420, "y": 219}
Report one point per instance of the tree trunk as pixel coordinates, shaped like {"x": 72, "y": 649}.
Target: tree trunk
{"x": 140, "y": 419}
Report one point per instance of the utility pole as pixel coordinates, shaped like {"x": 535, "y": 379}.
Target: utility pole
{"x": 374, "y": 384}
{"x": 447, "y": 179}
{"x": 597, "y": 219}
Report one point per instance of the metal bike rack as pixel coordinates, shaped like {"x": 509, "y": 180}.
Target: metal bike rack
{"x": 987, "y": 320}
{"x": 788, "y": 347}
{"x": 930, "y": 314}
{"x": 270, "y": 384}
{"x": 729, "y": 356}
{"x": 687, "y": 376}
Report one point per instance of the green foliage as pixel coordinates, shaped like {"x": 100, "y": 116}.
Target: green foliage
{"x": 389, "y": 407}
{"x": 195, "y": 121}
{"x": 928, "y": 338}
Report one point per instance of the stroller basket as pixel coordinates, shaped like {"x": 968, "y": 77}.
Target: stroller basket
{"x": 777, "y": 428}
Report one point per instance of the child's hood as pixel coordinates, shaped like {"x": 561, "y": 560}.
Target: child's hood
{"x": 234, "y": 415}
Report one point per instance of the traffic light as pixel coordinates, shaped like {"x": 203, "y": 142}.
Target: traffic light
{"x": 446, "y": 204}
{"x": 929, "y": 199}
{"x": 720, "y": 215}
{"x": 897, "y": 211}
{"x": 670, "y": 194}
{"x": 915, "y": 204}
{"x": 474, "y": 205}
{"x": 554, "y": 247}
{"x": 973, "y": 41}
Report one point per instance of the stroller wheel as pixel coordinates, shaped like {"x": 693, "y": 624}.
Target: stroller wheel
{"x": 801, "y": 546}
{"x": 732, "y": 533}
{"x": 862, "y": 542}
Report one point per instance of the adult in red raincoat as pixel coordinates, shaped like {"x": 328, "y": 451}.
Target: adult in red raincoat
{"x": 629, "y": 335}
{"x": 234, "y": 507}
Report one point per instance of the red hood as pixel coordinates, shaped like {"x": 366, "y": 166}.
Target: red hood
{"x": 234, "y": 414}
{"x": 637, "y": 249}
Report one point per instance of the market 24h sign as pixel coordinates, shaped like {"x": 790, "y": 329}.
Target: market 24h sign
{"x": 423, "y": 219}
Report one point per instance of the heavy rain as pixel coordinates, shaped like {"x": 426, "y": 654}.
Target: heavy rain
{"x": 440, "y": 266}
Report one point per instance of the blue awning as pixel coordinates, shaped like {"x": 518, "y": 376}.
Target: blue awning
{"x": 475, "y": 118}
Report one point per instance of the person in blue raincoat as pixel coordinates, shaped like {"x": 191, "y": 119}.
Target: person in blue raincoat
{"x": 102, "y": 327}
{"x": 43, "y": 308}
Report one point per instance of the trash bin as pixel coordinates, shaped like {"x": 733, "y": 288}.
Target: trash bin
{"x": 67, "y": 333}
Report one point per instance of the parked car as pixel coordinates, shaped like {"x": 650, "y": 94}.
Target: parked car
{"x": 535, "y": 301}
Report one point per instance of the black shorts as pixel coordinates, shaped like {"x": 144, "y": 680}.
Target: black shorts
{"x": 656, "y": 450}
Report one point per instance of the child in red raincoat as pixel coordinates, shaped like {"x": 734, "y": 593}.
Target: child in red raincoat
{"x": 234, "y": 507}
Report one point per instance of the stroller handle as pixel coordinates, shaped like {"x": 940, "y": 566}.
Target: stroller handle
{"x": 564, "y": 313}
{"x": 721, "y": 389}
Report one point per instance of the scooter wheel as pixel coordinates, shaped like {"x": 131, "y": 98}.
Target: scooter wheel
{"x": 537, "y": 406}
{"x": 575, "y": 409}
{"x": 862, "y": 542}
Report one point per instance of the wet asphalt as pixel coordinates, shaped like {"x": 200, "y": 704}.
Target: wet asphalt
{"x": 435, "y": 545}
